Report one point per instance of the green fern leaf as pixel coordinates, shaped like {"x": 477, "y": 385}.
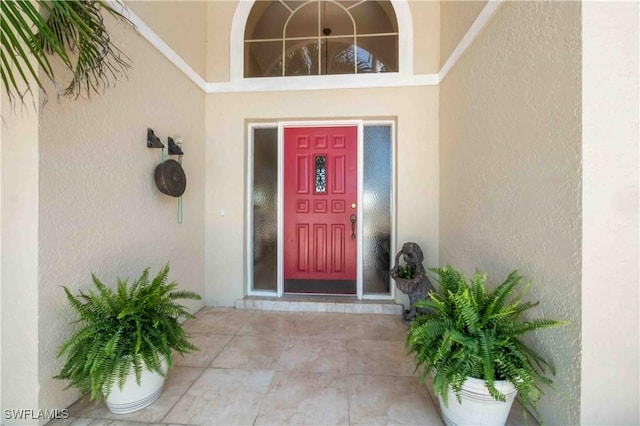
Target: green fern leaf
{"x": 470, "y": 331}
{"x": 124, "y": 331}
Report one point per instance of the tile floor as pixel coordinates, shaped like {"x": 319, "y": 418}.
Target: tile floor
{"x": 281, "y": 368}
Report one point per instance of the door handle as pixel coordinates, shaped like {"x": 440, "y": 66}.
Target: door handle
{"x": 353, "y": 219}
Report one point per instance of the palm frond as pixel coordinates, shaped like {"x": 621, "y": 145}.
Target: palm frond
{"x": 17, "y": 35}
{"x": 34, "y": 30}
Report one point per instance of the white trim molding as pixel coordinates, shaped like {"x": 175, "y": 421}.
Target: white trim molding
{"x": 325, "y": 82}
{"x": 143, "y": 29}
{"x": 405, "y": 36}
{"x": 481, "y": 21}
{"x": 236, "y": 40}
{"x": 282, "y": 125}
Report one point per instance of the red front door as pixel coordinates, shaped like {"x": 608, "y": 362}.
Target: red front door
{"x": 320, "y": 193}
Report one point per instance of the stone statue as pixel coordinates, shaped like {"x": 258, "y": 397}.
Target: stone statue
{"x": 411, "y": 278}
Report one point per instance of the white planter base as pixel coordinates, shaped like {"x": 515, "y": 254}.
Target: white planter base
{"x": 478, "y": 406}
{"x": 133, "y": 397}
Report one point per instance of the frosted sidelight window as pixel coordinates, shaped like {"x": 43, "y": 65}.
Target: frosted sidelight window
{"x": 265, "y": 209}
{"x": 377, "y": 187}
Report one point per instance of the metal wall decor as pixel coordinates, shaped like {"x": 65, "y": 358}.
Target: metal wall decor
{"x": 170, "y": 178}
{"x": 169, "y": 175}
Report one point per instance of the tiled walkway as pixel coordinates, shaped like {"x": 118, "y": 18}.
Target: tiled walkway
{"x": 277, "y": 368}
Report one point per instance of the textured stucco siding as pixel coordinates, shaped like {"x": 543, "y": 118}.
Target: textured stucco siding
{"x": 19, "y": 260}
{"x": 99, "y": 209}
{"x": 510, "y": 186}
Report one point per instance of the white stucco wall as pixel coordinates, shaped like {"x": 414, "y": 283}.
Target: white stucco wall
{"x": 79, "y": 197}
{"x": 1, "y": 404}
{"x": 610, "y": 375}
{"x": 19, "y": 261}
{"x": 416, "y": 111}
{"x": 1, "y": 401}
{"x": 510, "y": 189}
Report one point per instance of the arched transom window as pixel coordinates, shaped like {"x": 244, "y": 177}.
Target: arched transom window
{"x": 320, "y": 37}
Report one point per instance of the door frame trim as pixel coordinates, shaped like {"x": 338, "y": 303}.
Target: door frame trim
{"x": 281, "y": 125}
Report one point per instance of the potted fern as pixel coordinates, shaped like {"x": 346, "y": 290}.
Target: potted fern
{"x": 470, "y": 339}
{"x": 124, "y": 345}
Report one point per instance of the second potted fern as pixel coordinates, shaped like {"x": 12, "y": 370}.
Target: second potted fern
{"x": 125, "y": 342}
{"x": 470, "y": 339}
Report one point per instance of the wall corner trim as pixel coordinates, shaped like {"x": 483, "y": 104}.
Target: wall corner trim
{"x": 474, "y": 30}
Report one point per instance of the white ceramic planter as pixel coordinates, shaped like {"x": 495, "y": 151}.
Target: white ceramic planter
{"x": 133, "y": 397}
{"x": 478, "y": 407}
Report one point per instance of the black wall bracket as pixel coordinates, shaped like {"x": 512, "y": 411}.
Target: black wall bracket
{"x": 153, "y": 141}
{"x": 174, "y": 149}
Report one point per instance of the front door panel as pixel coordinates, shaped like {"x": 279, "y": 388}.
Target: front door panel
{"x": 320, "y": 193}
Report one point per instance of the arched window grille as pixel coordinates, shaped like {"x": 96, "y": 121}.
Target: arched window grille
{"x": 320, "y": 37}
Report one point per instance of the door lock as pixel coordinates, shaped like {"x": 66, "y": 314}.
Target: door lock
{"x": 353, "y": 219}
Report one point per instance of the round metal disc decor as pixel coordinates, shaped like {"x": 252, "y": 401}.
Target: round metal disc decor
{"x": 170, "y": 178}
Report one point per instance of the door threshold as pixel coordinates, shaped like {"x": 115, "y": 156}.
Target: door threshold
{"x": 346, "y": 304}
{"x": 313, "y": 297}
